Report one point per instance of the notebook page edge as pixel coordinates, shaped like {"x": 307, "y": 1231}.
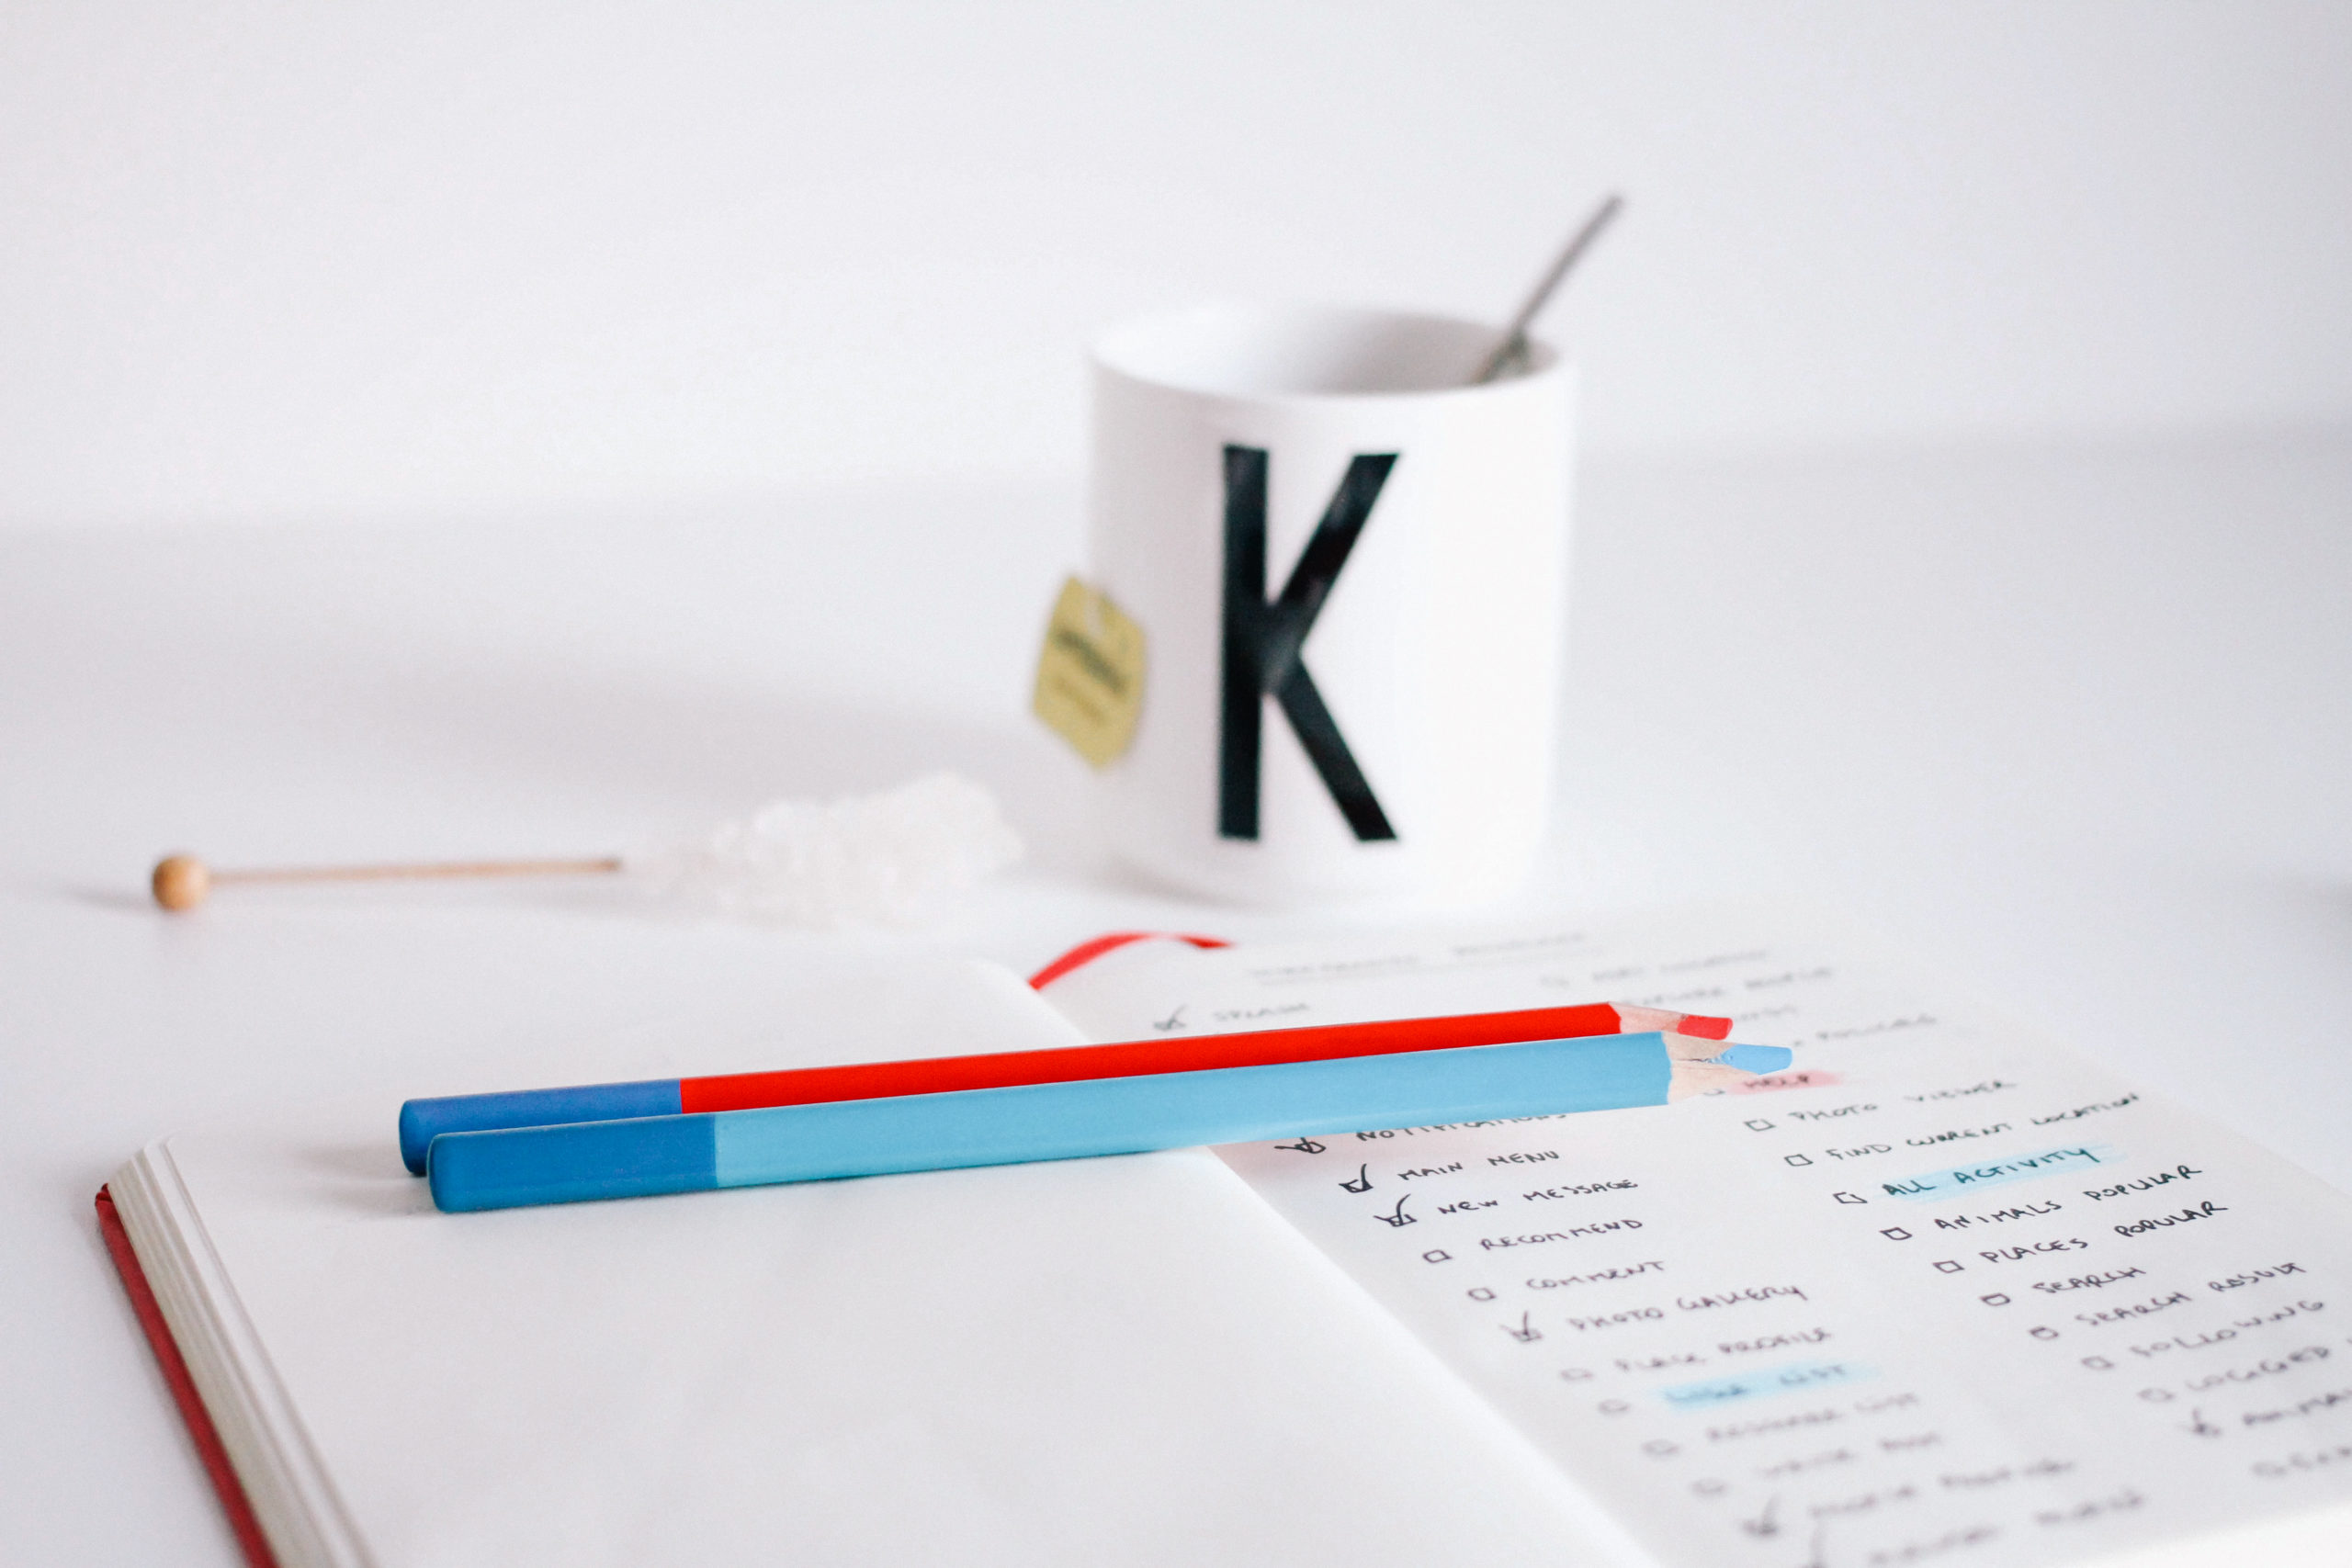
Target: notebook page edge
{"x": 288, "y": 1489}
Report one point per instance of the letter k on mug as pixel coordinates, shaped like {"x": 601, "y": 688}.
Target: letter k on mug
{"x": 1349, "y": 568}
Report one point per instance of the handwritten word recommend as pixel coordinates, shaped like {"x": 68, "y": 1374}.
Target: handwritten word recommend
{"x": 1962, "y": 1178}
{"x": 1795, "y": 1378}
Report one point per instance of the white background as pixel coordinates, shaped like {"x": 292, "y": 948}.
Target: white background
{"x": 442, "y": 431}
{"x": 333, "y": 260}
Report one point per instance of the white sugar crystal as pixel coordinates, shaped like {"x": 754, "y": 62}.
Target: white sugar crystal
{"x": 874, "y": 858}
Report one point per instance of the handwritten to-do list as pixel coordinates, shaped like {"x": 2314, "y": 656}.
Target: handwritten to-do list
{"x": 1938, "y": 1293}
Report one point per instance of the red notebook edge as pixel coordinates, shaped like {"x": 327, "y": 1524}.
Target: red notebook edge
{"x": 206, "y": 1437}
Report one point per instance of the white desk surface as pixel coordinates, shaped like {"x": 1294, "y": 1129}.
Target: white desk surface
{"x": 2074, "y": 725}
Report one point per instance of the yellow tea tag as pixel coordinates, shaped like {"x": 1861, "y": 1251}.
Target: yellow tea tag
{"x": 1089, "y": 676}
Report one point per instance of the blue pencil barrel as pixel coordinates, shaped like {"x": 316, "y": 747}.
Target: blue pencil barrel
{"x": 422, "y": 1121}
{"x": 492, "y": 1169}
{"x": 512, "y": 1166}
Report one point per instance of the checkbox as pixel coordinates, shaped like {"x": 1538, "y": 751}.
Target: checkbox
{"x": 1995, "y": 1299}
{"x": 2098, "y": 1363}
{"x": 2043, "y": 1333}
{"x": 1438, "y": 1256}
{"x": 1658, "y": 1447}
{"x": 1759, "y": 1125}
{"x": 1850, "y": 1197}
{"x": 1896, "y": 1232}
{"x": 1797, "y": 1159}
{"x": 1482, "y": 1294}
{"x": 1948, "y": 1266}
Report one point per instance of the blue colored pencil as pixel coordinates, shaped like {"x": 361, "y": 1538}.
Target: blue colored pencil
{"x": 507, "y": 1167}
{"x": 422, "y": 1121}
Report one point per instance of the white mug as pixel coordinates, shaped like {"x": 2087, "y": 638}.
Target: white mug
{"x": 1349, "y": 565}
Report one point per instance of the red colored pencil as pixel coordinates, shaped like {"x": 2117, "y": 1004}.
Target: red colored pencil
{"x": 422, "y": 1119}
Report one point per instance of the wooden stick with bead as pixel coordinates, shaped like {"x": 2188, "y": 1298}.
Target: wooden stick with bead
{"x": 183, "y": 882}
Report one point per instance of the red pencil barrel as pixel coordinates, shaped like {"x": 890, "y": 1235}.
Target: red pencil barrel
{"x": 1132, "y": 1058}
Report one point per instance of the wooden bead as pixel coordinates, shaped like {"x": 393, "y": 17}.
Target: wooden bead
{"x": 181, "y": 882}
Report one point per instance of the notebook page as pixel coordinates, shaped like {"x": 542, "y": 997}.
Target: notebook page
{"x": 1125, "y": 1360}
{"x": 1940, "y": 1293}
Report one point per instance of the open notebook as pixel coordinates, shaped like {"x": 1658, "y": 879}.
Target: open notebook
{"x": 1939, "y": 1294}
